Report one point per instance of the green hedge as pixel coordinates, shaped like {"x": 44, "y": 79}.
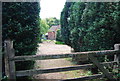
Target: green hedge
{"x": 20, "y": 23}
{"x": 65, "y": 29}
{"x": 59, "y": 36}
{"x": 91, "y": 26}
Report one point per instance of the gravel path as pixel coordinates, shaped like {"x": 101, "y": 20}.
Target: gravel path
{"x": 51, "y": 48}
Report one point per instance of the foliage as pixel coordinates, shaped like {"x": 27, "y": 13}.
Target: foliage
{"x": 65, "y": 31}
{"x": 59, "y": 36}
{"x": 44, "y": 26}
{"x": 99, "y": 28}
{"x": 97, "y": 80}
{"x": 90, "y": 25}
{"x": 52, "y": 21}
{"x": 5, "y": 78}
{"x": 76, "y": 11}
{"x": 20, "y": 21}
{"x": 58, "y": 42}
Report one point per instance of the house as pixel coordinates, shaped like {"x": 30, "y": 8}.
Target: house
{"x": 52, "y": 32}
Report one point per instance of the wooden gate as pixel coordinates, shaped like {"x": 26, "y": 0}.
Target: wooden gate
{"x": 10, "y": 59}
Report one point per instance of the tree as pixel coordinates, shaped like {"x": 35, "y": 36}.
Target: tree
{"x": 20, "y": 22}
{"x": 59, "y": 36}
{"x": 97, "y": 21}
{"x": 52, "y": 21}
{"x": 44, "y": 26}
{"x": 91, "y": 26}
{"x": 64, "y": 23}
{"x": 76, "y": 12}
{"x": 88, "y": 22}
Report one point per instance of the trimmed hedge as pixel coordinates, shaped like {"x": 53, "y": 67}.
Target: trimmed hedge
{"x": 20, "y": 21}
{"x": 90, "y": 26}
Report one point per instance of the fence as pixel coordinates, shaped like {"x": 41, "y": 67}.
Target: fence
{"x": 10, "y": 59}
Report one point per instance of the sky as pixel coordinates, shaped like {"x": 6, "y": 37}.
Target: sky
{"x": 51, "y": 8}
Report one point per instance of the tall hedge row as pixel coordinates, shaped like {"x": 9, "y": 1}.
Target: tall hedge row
{"x": 64, "y": 23}
{"x": 20, "y": 23}
{"x": 91, "y": 26}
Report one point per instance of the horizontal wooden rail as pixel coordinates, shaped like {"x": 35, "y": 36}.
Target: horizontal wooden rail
{"x": 65, "y": 55}
{"x": 42, "y": 71}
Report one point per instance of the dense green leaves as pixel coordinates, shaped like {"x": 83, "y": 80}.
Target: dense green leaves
{"x": 52, "y": 21}
{"x": 90, "y": 26}
{"x": 44, "y": 26}
{"x": 59, "y": 36}
{"x": 20, "y": 22}
{"x": 65, "y": 31}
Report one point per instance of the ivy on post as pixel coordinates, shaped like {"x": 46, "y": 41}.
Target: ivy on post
{"x": 117, "y": 57}
{"x": 9, "y": 65}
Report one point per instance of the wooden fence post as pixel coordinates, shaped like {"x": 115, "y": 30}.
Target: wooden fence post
{"x": 117, "y": 57}
{"x": 1, "y": 41}
{"x": 9, "y": 65}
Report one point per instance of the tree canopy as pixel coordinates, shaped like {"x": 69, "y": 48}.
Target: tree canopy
{"x": 52, "y": 21}
{"x": 44, "y": 26}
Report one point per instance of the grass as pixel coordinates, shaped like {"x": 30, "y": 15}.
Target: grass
{"x": 58, "y": 42}
{"x": 77, "y": 73}
{"x": 47, "y": 40}
{"x": 70, "y": 59}
{"x": 97, "y": 80}
{"x": 80, "y": 73}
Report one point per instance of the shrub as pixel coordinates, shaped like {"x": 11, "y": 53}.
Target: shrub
{"x": 59, "y": 36}
{"x": 21, "y": 24}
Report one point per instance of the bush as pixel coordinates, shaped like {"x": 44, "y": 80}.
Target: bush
{"x": 21, "y": 24}
{"x": 91, "y": 26}
{"x": 59, "y": 36}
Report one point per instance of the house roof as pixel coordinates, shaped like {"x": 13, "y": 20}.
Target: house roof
{"x": 54, "y": 28}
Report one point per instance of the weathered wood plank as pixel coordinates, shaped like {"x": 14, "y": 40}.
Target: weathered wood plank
{"x": 0, "y": 63}
{"x": 101, "y": 67}
{"x": 0, "y": 40}
{"x": 42, "y": 71}
{"x": 64, "y": 55}
{"x": 9, "y": 65}
{"x": 86, "y": 78}
{"x": 117, "y": 59}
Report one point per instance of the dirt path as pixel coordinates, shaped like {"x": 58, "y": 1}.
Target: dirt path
{"x": 51, "y": 48}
